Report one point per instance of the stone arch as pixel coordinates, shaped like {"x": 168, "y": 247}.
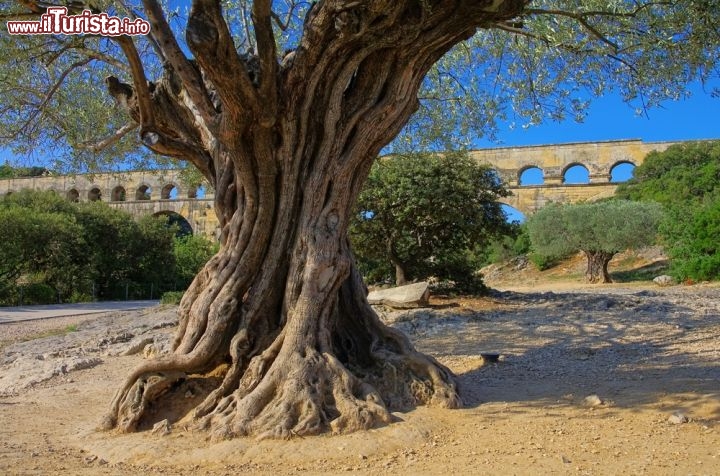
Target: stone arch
{"x": 73, "y": 195}
{"x": 143, "y": 192}
{"x": 94, "y": 194}
{"x": 575, "y": 173}
{"x": 174, "y": 218}
{"x": 531, "y": 175}
{"x": 621, "y": 171}
{"x": 169, "y": 191}
{"x": 118, "y": 194}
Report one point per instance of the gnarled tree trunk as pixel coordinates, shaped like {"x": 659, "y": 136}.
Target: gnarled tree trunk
{"x": 597, "y": 266}
{"x": 287, "y": 146}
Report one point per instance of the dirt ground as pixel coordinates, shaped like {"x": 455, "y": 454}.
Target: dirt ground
{"x": 614, "y": 379}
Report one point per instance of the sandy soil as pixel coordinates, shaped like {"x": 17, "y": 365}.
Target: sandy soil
{"x": 592, "y": 380}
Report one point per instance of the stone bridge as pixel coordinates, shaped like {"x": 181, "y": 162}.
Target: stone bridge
{"x": 552, "y": 163}
{"x": 139, "y": 193}
{"x": 163, "y": 193}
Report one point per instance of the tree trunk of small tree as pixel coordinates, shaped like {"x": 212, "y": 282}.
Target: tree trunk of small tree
{"x": 597, "y": 266}
{"x": 287, "y": 146}
{"x": 400, "y": 274}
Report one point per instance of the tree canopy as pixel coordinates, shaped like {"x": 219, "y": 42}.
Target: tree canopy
{"x": 422, "y": 214}
{"x": 545, "y": 63}
{"x": 600, "y": 230}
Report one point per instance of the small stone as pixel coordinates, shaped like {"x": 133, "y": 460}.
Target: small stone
{"x": 664, "y": 280}
{"x": 565, "y": 460}
{"x": 593, "y": 401}
{"x": 678, "y": 419}
{"x": 189, "y": 394}
{"x": 161, "y": 428}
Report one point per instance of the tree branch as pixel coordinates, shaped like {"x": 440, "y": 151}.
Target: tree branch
{"x": 267, "y": 52}
{"x": 140, "y": 84}
{"x": 109, "y": 140}
{"x": 209, "y": 39}
{"x": 189, "y": 76}
{"x": 39, "y": 109}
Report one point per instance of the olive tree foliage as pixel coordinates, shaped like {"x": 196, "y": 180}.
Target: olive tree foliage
{"x": 421, "y": 215}
{"x": 600, "y": 230}
{"x": 283, "y": 106}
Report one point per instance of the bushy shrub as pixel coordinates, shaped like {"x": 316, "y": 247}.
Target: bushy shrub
{"x": 172, "y": 297}
{"x": 38, "y": 293}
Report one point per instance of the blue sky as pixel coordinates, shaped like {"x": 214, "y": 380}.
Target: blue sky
{"x": 610, "y": 118}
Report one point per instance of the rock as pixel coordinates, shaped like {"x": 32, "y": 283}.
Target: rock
{"x": 678, "y": 419}
{"x": 402, "y": 297}
{"x": 28, "y": 371}
{"x": 664, "y": 280}
{"x": 136, "y": 346}
{"x": 593, "y": 401}
{"x": 161, "y": 428}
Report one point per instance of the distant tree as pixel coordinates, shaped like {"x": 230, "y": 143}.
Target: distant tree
{"x": 419, "y": 215}
{"x": 599, "y": 229}
{"x": 685, "y": 179}
{"x": 40, "y": 246}
{"x": 78, "y": 248}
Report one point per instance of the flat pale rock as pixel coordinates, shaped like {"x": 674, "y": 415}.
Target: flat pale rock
{"x": 402, "y": 297}
{"x": 664, "y": 280}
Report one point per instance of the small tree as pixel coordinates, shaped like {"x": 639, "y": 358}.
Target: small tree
{"x": 420, "y": 214}
{"x": 599, "y": 229}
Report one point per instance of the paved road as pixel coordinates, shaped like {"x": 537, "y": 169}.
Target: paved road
{"x": 28, "y": 313}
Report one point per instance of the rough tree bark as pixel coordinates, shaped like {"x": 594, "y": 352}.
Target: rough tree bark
{"x": 287, "y": 145}
{"x": 597, "y": 266}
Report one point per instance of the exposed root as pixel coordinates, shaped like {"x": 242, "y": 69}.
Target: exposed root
{"x": 302, "y": 395}
{"x": 142, "y": 393}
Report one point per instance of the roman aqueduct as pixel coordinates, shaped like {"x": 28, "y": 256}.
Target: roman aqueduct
{"x": 163, "y": 193}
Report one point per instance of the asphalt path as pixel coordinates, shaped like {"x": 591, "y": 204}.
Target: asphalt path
{"x": 29, "y": 313}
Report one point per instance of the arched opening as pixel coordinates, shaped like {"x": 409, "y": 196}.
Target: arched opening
{"x": 94, "y": 194}
{"x": 576, "y": 174}
{"x": 169, "y": 192}
{"x": 73, "y": 195}
{"x": 175, "y": 219}
{"x": 622, "y": 172}
{"x": 118, "y": 194}
{"x": 143, "y": 193}
{"x": 9, "y": 192}
{"x": 531, "y": 176}
{"x": 512, "y": 214}
{"x": 200, "y": 191}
